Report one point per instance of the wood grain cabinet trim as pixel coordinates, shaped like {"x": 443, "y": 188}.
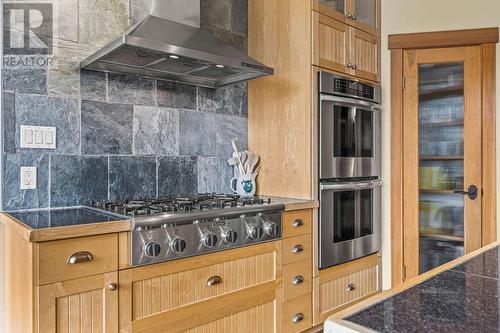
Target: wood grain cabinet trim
{"x": 53, "y": 257}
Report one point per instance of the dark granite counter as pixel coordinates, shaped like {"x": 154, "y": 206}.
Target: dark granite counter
{"x": 60, "y": 223}
{"x": 51, "y": 218}
{"x": 464, "y": 298}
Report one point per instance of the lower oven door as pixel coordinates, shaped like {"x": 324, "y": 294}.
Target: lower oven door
{"x": 349, "y": 223}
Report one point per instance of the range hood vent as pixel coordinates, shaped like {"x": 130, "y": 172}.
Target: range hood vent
{"x": 161, "y": 49}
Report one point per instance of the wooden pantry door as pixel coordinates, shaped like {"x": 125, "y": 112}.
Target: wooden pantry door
{"x": 442, "y": 140}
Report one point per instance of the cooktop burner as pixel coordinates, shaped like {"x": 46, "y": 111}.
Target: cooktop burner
{"x": 191, "y": 203}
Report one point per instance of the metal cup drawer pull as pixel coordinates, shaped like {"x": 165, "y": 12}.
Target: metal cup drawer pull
{"x": 350, "y": 287}
{"x": 297, "y": 223}
{"x": 79, "y": 257}
{"x": 297, "y": 248}
{"x": 212, "y": 281}
{"x": 298, "y": 280}
{"x": 297, "y": 317}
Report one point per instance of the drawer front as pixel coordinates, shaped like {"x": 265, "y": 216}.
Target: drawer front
{"x": 297, "y": 314}
{"x": 297, "y": 279}
{"x": 75, "y": 258}
{"x": 297, "y": 249}
{"x": 168, "y": 287}
{"x": 348, "y": 288}
{"x": 297, "y": 223}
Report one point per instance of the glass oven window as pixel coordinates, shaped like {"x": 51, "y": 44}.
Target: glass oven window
{"x": 366, "y": 213}
{"x": 353, "y": 132}
{"x": 344, "y": 216}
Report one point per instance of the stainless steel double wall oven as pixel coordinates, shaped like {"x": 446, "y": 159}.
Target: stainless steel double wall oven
{"x": 349, "y": 169}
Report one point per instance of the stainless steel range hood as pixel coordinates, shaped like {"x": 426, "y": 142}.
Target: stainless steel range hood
{"x": 162, "y": 49}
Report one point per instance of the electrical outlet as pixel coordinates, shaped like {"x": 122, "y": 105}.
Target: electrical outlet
{"x": 28, "y": 178}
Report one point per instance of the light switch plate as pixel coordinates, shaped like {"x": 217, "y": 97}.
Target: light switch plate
{"x": 38, "y": 137}
{"x": 28, "y": 178}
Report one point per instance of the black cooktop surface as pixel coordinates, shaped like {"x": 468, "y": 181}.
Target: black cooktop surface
{"x": 40, "y": 219}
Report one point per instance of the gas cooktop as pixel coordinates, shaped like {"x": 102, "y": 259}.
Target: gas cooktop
{"x": 181, "y": 226}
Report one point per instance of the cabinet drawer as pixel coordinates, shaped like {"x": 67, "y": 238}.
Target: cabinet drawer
{"x": 297, "y": 223}
{"x": 296, "y": 249}
{"x": 75, "y": 258}
{"x": 345, "y": 289}
{"x": 297, "y": 279}
{"x": 173, "y": 285}
{"x": 297, "y": 314}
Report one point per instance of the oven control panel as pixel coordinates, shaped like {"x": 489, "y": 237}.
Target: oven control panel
{"x": 340, "y": 85}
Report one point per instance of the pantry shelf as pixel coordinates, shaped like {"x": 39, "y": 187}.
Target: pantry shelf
{"x": 439, "y": 92}
{"x": 441, "y": 158}
{"x": 448, "y": 238}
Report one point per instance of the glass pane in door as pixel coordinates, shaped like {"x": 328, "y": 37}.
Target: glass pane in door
{"x": 337, "y": 5}
{"x": 344, "y": 216}
{"x": 366, "y": 212}
{"x": 366, "y": 12}
{"x": 353, "y": 132}
{"x": 441, "y": 163}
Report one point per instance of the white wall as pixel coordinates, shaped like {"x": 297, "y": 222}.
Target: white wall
{"x": 402, "y": 16}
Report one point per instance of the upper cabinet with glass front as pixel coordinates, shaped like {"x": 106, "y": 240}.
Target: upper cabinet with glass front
{"x": 361, "y": 14}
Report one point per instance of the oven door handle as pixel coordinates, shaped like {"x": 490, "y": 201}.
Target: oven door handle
{"x": 350, "y": 186}
{"x": 350, "y": 101}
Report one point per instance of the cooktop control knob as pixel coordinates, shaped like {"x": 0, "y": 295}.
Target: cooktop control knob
{"x": 178, "y": 245}
{"x": 271, "y": 228}
{"x": 209, "y": 239}
{"x": 255, "y": 232}
{"x": 229, "y": 236}
{"x": 152, "y": 249}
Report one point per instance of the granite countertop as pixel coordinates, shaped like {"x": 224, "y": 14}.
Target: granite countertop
{"x": 463, "y": 298}
{"x": 59, "y": 223}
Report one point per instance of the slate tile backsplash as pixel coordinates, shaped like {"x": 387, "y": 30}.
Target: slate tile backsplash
{"x": 119, "y": 136}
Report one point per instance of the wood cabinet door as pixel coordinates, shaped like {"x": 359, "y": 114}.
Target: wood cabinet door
{"x": 364, "y": 15}
{"x": 365, "y": 55}
{"x": 83, "y": 305}
{"x": 331, "y": 43}
{"x": 442, "y": 112}
{"x": 336, "y": 9}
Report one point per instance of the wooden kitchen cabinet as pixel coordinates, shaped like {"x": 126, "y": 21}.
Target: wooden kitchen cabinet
{"x": 361, "y": 14}
{"x": 345, "y": 49}
{"x": 88, "y": 304}
{"x": 343, "y": 285}
{"x": 239, "y": 288}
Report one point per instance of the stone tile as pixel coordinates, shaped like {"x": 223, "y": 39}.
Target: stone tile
{"x": 38, "y": 110}
{"x": 156, "y": 131}
{"x": 177, "y": 175}
{"x": 93, "y": 85}
{"x": 239, "y": 17}
{"x": 13, "y": 196}
{"x": 27, "y": 81}
{"x": 67, "y": 20}
{"x": 197, "y": 133}
{"x": 9, "y": 122}
{"x": 176, "y": 95}
{"x": 227, "y": 100}
{"x": 231, "y": 128}
{"x": 216, "y": 13}
{"x": 139, "y": 9}
{"x": 236, "y": 40}
{"x": 131, "y": 90}
{"x": 64, "y": 72}
{"x": 106, "y": 128}
{"x": 76, "y": 179}
{"x": 132, "y": 177}
{"x": 214, "y": 175}
{"x": 102, "y": 21}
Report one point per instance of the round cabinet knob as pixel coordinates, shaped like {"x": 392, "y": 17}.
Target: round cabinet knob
{"x": 271, "y": 228}
{"x": 178, "y": 245}
{"x": 152, "y": 249}
{"x": 209, "y": 239}
{"x": 113, "y": 286}
{"x": 229, "y": 236}
{"x": 255, "y": 232}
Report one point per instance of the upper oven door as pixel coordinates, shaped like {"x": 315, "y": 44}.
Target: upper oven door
{"x": 349, "y": 138}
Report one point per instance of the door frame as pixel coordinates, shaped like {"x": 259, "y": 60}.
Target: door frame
{"x": 486, "y": 38}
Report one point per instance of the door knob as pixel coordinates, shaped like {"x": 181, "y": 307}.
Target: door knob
{"x": 471, "y": 192}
